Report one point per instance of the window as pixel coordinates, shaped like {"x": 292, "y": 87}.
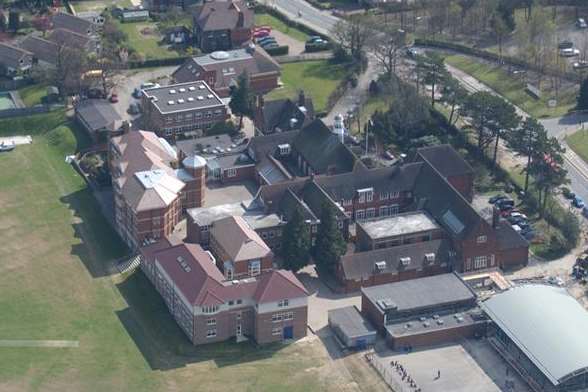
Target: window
{"x": 369, "y": 197}
{"x": 276, "y": 317}
{"x": 272, "y": 234}
{"x": 169, "y": 120}
{"x": 211, "y": 333}
{"x": 362, "y": 198}
{"x": 210, "y": 309}
{"x": 204, "y": 229}
{"x": 314, "y": 228}
{"x": 359, "y": 215}
{"x": 346, "y": 202}
{"x": 276, "y": 331}
{"x": 340, "y": 224}
{"x": 264, "y": 235}
{"x": 168, "y": 132}
{"x": 480, "y": 262}
{"x": 384, "y": 211}
{"x": 239, "y": 302}
{"x": 289, "y": 316}
{"x": 254, "y": 268}
{"x": 231, "y": 303}
{"x": 481, "y": 239}
{"x": 370, "y": 213}
{"x": 384, "y": 195}
{"x": 394, "y": 195}
{"x": 208, "y": 114}
{"x": 283, "y": 303}
{"x": 393, "y": 209}
{"x": 156, "y": 221}
{"x": 284, "y": 149}
{"x": 198, "y": 115}
{"x": 232, "y": 172}
{"x": 211, "y": 321}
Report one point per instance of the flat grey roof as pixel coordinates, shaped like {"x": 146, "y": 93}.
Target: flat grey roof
{"x": 350, "y": 322}
{"x": 255, "y": 217}
{"x": 183, "y": 96}
{"x": 421, "y": 293}
{"x": 417, "y": 326}
{"x": 547, "y": 324}
{"x": 411, "y": 222}
{"x": 222, "y": 57}
{"x": 210, "y": 145}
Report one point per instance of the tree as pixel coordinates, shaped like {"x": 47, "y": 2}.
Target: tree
{"x": 547, "y": 169}
{"x": 296, "y": 242}
{"x": 42, "y": 24}
{"x": 386, "y": 49}
{"x": 475, "y": 107}
{"x": 582, "y": 100}
{"x": 241, "y": 98}
{"x": 434, "y": 71}
{"x": 500, "y": 30}
{"x": 353, "y": 34}
{"x": 330, "y": 245}
{"x": 453, "y": 94}
{"x": 505, "y": 119}
{"x": 527, "y": 141}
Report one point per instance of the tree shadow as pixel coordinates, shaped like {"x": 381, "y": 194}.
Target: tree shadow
{"x": 98, "y": 245}
{"x": 161, "y": 341}
{"x": 328, "y": 71}
{"x": 334, "y": 347}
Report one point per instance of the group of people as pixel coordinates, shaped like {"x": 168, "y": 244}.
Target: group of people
{"x": 404, "y": 374}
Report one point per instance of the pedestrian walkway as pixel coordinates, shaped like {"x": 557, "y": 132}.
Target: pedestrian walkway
{"x": 39, "y": 343}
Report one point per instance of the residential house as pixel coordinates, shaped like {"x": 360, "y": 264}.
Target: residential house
{"x": 152, "y": 187}
{"x": 94, "y": 17}
{"x": 182, "y": 109}
{"x": 209, "y": 308}
{"x": 98, "y": 118}
{"x": 239, "y": 250}
{"x": 221, "y": 70}
{"x": 16, "y": 60}
{"x": 62, "y": 20}
{"x": 178, "y": 35}
{"x": 283, "y": 114}
{"x": 70, "y": 39}
{"x": 44, "y": 51}
{"x": 222, "y": 25}
{"x": 130, "y": 15}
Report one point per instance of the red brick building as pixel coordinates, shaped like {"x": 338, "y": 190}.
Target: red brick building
{"x": 151, "y": 187}
{"x": 221, "y": 70}
{"x": 222, "y": 25}
{"x": 239, "y": 250}
{"x": 208, "y": 308}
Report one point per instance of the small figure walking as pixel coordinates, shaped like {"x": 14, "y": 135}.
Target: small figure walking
{"x": 438, "y": 374}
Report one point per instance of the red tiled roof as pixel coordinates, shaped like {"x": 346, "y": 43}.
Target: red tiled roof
{"x": 277, "y": 285}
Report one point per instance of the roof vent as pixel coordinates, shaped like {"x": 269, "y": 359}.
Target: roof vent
{"x": 386, "y": 304}
{"x": 201, "y": 87}
{"x": 200, "y": 97}
{"x": 190, "y": 99}
{"x": 170, "y": 102}
{"x": 181, "y": 101}
{"x": 210, "y": 96}
{"x": 172, "y": 91}
{"x": 182, "y": 90}
{"x": 191, "y": 88}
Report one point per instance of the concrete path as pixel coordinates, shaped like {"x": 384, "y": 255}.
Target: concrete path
{"x": 16, "y": 140}
{"x": 39, "y": 343}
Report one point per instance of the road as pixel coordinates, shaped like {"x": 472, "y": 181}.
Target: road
{"x": 558, "y": 127}
{"x": 301, "y": 11}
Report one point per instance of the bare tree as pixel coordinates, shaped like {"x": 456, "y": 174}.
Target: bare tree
{"x": 353, "y": 34}
{"x": 386, "y": 48}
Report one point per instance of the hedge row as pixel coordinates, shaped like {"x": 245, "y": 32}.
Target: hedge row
{"x": 321, "y": 5}
{"x": 484, "y": 54}
{"x": 279, "y": 51}
{"x": 157, "y": 62}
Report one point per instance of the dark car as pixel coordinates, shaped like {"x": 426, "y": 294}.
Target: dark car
{"x": 496, "y": 198}
{"x": 515, "y": 220}
{"x": 565, "y": 45}
{"x": 505, "y": 203}
{"x": 578, "y": 202}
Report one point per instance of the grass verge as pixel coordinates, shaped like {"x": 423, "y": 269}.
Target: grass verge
{"x": 277, "y": 24}
{"x": 145, "y": 39}
{"x": 32, "y": 95}
{"x": 513, "y": 88}
{"x": 578, "y": 141}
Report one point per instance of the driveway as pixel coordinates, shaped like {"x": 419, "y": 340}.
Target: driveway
{"x": 303, "y": 12}
{"x": 127, "y": 81}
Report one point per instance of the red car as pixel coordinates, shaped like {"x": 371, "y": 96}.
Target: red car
{"x": 261, "y": 33}
{"x": 113, "y": 98}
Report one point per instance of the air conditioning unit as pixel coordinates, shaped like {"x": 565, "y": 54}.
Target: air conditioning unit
{"x": 405, "y": 261}
{"x": 380, "y": 265}
{"x": 430, "y": 257}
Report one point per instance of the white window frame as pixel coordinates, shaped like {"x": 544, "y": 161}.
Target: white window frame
{"x": 283, "y": 303}
{"x": 231, "y": 172}
{"x": 276, "y": 331}
{"x": 384, "y": 195}
{"x": 211, "y": 333}
{"x": 359, "y": 215}
{"x": 480, "y": 262}
{"x": 481, "y": 239}
{"x": 211, "y": 322}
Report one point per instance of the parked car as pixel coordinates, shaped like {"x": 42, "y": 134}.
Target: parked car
{"x": 413, "y": 52}
{"x": 582, "y": 64}
{"x": 148, "y": 85}
{"x": 565, "y": 45}
{"x": 261, "y": 33}
{"x": 313, "y": 38}
{"x": 7, "y": 146}
{"x": 515, "y": 220}
{"x": 517, "y": 214}
{"x": 496, "y": 198}
{"x": 585, "y": 212}
{"x": 265, "y": 39}
{"x": 569, "y": 52}
{"x": 578, "y": 202}
{"x": 269, "y": 42}
{"x": 271, "y": 45}
{"x": 567, "y": 193}
{"x": 113, "y": 98}
{"x": 136, "y": 93}
{"x": 505, "y": 203}
{"x": 581, "y": 23}
{"x": 134, "y": 108}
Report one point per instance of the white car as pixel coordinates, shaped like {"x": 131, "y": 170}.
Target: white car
{"x": 582, "y": 64}
{"x": 569, "y": 52}
{"x": 7, "y": 146}
{"x": 581, "y": 23}
{"x": 519, "y": 215}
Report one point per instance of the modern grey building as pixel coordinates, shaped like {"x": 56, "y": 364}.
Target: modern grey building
{"x": 351, "y": 328}
{"x": 541, "y": 331}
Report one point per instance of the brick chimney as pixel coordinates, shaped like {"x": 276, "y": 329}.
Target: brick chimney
{"x": 495, "y": 217}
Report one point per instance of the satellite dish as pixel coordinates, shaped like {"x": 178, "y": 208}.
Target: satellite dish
{"x": 220, "y": 55}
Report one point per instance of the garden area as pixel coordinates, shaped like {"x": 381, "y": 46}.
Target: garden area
{"x": 99, "y": 5}
{"x": 146, "y": 40}
{"x": 512, "y": 87}
{"x": 277, "y": 24}
{"x": 32, "y": 95}
{"x": 318, "y": 79}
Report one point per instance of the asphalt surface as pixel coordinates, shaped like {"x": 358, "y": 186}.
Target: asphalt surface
{"x": 301, "y": 11}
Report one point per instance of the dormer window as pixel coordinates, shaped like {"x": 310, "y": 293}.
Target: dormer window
{"x": 283, "y": 303}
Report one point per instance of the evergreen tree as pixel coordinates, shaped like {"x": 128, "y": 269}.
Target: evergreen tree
{"x": 241, "y": 99}
{"x": 296, "y": 242}
{"x": 583, "y": 96}
{"x": 330, "y": 245}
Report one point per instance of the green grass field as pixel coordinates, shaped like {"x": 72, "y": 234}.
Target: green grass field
{"x": 512, "y": 88}
{"x": 55, "y": 285}
{"x": 578, "y": 142}
{"x": 145, "y": 39}
{"x": 32, "y": 95}
{"x": 99, "y": 5}
{"x": 318, "y": 79}
{"x": 275, "y": 23}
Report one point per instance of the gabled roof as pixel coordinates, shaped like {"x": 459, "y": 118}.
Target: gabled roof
{"x": 152, "y": 189}
{"x": 278, "y": 114}
{"x": 323, "y": 150}
{"x": 11, "y": 55}
{"x": 71, "y": 22}
{"x": 194, "y": 273}
{"x": 98, "y": 114}
{"x": 238, "y": 240}
{"x": 362, "y": 265}
{"x": 508, "y": 238}
{"x": 277, "y": 285}
{"x": 69, "y": 38}
{"x": 223, "y": 15}
{"x": 42, "y": 49}
{"x": 446, "y": 160}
